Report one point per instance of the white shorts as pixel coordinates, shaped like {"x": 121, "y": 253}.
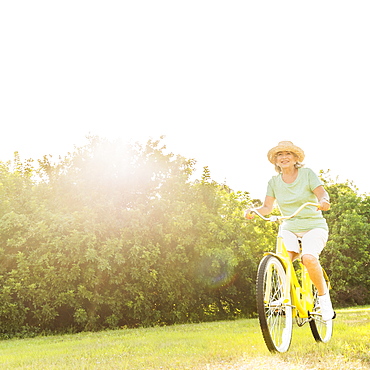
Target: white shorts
{"x": 313, "y": 241}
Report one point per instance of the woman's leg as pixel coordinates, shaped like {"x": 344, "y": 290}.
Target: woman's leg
{"x": 313, "y": 242}
{"x": 291, "y": 244}
{"x": 315, "y": 271}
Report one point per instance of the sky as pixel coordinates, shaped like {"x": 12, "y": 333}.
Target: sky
{"x": 222, "y": 81}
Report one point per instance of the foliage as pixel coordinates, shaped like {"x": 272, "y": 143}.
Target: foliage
{"x": 346, "y": 256}
{"x": 120, "y": 235}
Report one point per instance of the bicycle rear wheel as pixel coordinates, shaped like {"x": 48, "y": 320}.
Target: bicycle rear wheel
{"x": 275, "y": 317}
{"x": 321, "y": 330}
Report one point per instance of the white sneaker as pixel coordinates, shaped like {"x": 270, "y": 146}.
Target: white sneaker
{"x": 327, "y": 311}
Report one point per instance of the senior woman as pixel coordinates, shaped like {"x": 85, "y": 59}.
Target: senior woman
{"x": 293, "y": 186}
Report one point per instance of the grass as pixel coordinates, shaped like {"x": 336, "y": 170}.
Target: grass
{"x": 209, "y": 346}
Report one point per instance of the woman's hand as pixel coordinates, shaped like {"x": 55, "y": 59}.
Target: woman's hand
{"x": 248, "y": 214}
{"x": 264, "y": 210}
{"x": 324, "y": 204}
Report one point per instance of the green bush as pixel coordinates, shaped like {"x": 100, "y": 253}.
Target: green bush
{"x": 118, "y": 235}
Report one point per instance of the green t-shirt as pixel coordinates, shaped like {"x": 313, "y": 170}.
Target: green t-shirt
{"x": 291, "y": 196}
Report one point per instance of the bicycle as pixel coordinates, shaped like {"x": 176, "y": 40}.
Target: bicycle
{"x": 282, "y": 296}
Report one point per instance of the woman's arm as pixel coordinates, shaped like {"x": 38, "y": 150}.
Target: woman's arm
{"x": 266, "y": 208}
{"x": 323, "y": 198}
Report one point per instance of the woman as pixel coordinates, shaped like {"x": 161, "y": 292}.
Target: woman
{"x": 293, "y": 186}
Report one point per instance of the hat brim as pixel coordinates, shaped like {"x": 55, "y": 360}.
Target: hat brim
{"x": 271, "y": 155}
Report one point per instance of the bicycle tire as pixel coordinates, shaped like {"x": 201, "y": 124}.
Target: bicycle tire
{"x": 275, "y": 317}
{"x": 321, "y": 330}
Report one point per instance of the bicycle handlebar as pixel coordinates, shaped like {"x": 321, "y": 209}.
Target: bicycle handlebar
{"x": 282, "y": 218}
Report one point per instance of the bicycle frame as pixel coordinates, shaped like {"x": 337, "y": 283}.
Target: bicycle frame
{"x": 297, "y": 295}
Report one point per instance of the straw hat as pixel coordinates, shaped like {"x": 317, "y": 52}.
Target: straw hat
{"x": 285, "y": 146}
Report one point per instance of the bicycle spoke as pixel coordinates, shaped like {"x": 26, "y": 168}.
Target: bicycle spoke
{"x": 275, "y": 316}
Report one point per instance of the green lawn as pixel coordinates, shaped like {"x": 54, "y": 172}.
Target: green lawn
{"x": 219, "y": 345}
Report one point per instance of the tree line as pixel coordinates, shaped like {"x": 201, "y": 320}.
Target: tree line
{"x": 120, "y": 235}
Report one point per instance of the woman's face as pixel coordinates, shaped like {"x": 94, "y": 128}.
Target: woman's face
{"x": 286, "y": 159}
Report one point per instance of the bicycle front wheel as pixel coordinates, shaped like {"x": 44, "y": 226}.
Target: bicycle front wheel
{"x": 274, "y": 315}
{"x": 321, "y": 330}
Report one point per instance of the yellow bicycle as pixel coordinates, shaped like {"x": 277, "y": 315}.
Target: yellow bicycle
{"x": 282, "y": 296}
